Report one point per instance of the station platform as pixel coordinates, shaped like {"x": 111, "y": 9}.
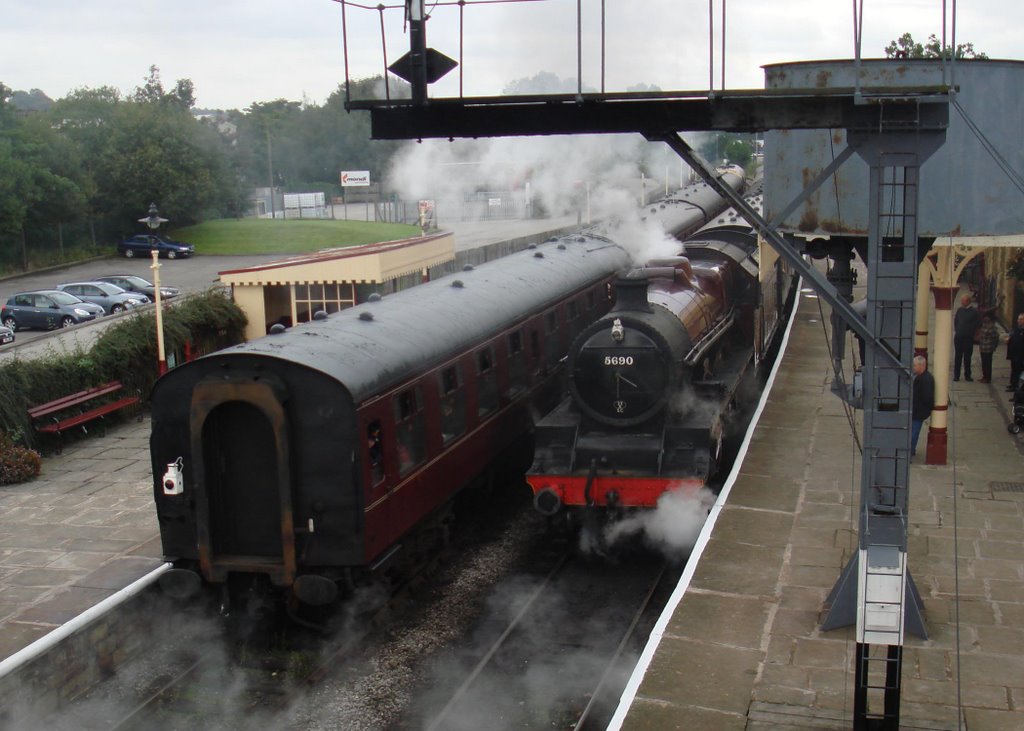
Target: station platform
{"x": 744, "y": 648}
{"x": 81, "y": 531}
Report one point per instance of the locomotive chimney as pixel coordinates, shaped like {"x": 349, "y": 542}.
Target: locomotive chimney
{"x": 631, "y": 292}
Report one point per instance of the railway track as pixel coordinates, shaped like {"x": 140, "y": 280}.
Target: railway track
{"x": 554, "y": 656}
{"x": 512, "y": 621}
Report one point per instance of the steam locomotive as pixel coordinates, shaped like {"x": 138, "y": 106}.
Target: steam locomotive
{"x": 653, "y": 383}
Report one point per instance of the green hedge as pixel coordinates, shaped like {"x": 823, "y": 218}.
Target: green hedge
{"x": 126, "y": 352}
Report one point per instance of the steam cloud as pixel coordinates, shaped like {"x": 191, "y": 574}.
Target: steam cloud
{"x": 591, "y": 178}
{"x": 672, "y": 527}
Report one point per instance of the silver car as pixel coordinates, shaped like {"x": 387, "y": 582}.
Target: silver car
{"x": 109, "y": 296}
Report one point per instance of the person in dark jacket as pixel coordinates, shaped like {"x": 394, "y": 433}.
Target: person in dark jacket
{"x": 988, "y": 341}
{"x": 1015, "y": 352}
{"x": 965, "y": 323}
{"x": 922, "y": 401}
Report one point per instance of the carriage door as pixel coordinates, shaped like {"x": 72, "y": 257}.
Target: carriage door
{"x": 243, "y": 496}
{"x": 241, "y": 479}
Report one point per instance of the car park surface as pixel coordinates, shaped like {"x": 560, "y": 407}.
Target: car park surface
{"x": 46, "y": 309}
{"x": 110, "y": 297}
{"x": 145, "y": 244}
{"x": 200, "y": 274}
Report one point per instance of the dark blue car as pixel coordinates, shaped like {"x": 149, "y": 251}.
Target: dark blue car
{"x": 143, "y": 244}
{"x": 46, "y": 309}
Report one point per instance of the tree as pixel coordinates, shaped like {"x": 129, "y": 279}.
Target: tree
{"x": 543, "y": 82}
{"x": 35, "y": 189}
{"x": 183, "y": 95}
{"x": 736, "y": 148}
{"x": 84, "y": 119}
{"x": 32, "y": 101}
{"x": 906, "y": 47}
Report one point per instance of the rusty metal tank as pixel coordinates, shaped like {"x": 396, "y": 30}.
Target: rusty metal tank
{"x": 964, "y": 191}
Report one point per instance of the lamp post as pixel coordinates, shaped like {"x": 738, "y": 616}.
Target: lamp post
{"x": 153, "y": 220}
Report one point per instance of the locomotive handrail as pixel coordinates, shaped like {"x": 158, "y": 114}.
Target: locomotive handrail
{"x": 708, "y": 341}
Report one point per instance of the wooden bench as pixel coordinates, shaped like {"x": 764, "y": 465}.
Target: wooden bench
{"x": 68, "y": 412}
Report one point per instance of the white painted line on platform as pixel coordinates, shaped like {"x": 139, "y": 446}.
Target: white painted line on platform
{"x": 629, "y": 693}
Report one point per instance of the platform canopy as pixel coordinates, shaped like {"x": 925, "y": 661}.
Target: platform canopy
{"x": 369, "y": 263}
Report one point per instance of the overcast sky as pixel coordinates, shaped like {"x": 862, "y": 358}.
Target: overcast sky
{"x": 238, "y": 52}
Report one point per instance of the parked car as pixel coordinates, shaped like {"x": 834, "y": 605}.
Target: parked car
{"x": 132, "y": 283}
{"x": 6, "y": 335}
{"x": 109, "y": 296}
{"x": 46, "y": 309}
{"x": 143, "y": 244}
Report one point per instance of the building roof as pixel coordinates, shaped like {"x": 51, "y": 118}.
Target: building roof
{"x": 369, "y": 263}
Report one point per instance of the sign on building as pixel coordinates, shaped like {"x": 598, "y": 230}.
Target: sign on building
{"x": 352, "y": 178}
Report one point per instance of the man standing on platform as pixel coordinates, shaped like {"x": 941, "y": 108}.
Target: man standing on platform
{"x": 922, "y": 399}
{"x": 1015, "y": 352}
{"x": 965, "y": 323}
{"x": 988, "y": 341}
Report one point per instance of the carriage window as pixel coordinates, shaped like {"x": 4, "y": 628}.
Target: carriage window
{"x": 516, "y": 362}
{"x": 453, "y": 404}
{"x": 409, "y": 429}
{"x": 552, "y": 351}
{"x": 487, "y": 381}
{"x": 375, "y": 447}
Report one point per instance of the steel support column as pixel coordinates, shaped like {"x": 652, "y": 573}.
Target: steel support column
{"x": 825, "y": 289}
{"x": 886, "y": 601}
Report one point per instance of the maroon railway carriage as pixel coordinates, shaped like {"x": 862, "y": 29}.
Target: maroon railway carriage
{"x": 311, "y": 455}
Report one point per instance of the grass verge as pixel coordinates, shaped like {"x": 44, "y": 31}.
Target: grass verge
{"x": 262, "y": 236}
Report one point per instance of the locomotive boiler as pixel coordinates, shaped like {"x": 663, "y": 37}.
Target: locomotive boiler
{"x": 653, "y": 383}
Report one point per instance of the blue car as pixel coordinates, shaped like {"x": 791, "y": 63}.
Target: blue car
{"x": 46, "y": 309}
{"x": 144, "y": 244}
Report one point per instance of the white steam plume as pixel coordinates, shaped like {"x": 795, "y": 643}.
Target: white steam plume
{"x": 592, "y": 177}
{"x": 672, "y": 527}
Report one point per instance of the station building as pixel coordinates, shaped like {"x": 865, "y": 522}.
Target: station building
{"x": 292, "y": 290}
